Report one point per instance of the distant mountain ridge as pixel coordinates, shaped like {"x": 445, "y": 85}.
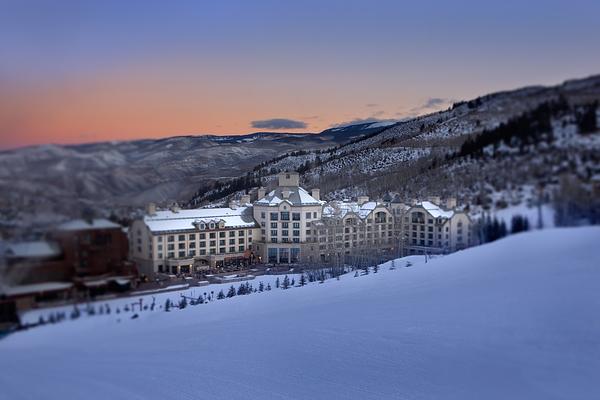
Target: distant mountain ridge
{"x": 45, "y": 182}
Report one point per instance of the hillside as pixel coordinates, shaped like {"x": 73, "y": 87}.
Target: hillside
{"x": 517, "y": 318}
{"x": 492, "y": 149}
{"x": 56, "y": 181}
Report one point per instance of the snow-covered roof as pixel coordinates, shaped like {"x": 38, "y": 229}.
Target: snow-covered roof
{"x": 339, "y": 209}
{"x": 37, "y": 288}
{"x": 37, "y": 249}
{"x": 435, "y": 211}
{"x": 294, "y": 195}
{"x": 168, "y": 220}
{"x": 82, "y": 224}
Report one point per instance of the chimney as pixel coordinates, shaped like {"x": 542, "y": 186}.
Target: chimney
{"x": 316, "y": 194}
{"x": 289, "y": 179}
{"x": 451, "y": 202}
{"x": 435, "y": 200}
{"x": 261, "y": 192}
{"x": 151, "y": 209}
{"x": 362, "y": 200}
{"x": 245, "y": 199}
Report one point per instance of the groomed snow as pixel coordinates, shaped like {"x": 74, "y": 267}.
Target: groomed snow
{"x": 514, "y": 319}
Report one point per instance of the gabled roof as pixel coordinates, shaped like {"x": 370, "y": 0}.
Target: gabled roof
{"x": 167, "y": 220}
{"x": 434, "y": 210}
{"x": 296, "y": 196}
{"x": 340, "y": 209}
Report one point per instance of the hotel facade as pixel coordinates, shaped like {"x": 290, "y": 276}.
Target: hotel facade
{"x": 289, "y": 225}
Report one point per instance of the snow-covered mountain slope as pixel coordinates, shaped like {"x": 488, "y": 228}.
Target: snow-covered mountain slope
{"x": 59, "y": 179}
{"x": 418, "y": 157}
{"x": 517, "y": 318}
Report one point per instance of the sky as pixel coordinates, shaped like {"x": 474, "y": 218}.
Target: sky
{"x": 84, "y": 71}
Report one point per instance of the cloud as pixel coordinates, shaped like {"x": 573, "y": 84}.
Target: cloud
{"x": 432, "y": 103}
{"x": 278, "y": 123}
{"x": 371, "y": 105}
{"x": 358, "y": 121}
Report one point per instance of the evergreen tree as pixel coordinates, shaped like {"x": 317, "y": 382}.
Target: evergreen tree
{"x": 221, "y": 295}
{"x": 268, "y": 286}
{"x": 286, "y": 282}
{"x": 231, "y": 291}
{"x": 356, "y": 274}
{"x": 241, "y": 290}
{"x": 167, "y": 305}
{"x": 261, "y": 286}
{"x": 376, "y": 269}
{"x": 293, "y": 282}
{"x": 302, "y": 280}
{"x": 277, "y": 283}
{"x": 183, "y": 303}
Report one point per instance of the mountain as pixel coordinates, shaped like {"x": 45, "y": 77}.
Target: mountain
{"x": 56, "y": 181}
{"x": 505, "y": 147}
{"x": 516, "y": 318}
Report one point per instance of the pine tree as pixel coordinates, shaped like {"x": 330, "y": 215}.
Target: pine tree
{"x": 286, "y": 283}
{"x": 376, "y": 269}
{"x": 268, "y": 286}
{"x": 356, "y": 274}
{"x": 221, "y": 295}
{"x": 293, "y": 282}
{"x": 277, "y": 283}
{"x": 183, "y": 303}
{"x": 231, "y": 291}
{"x": 302, "y": 280}
{"x": 167, "y": 305}
{"x": 261, "y": 286}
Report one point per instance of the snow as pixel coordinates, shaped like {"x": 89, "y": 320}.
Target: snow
{"x": 532, "y": 214}
{"x": 435, "y": 211}
{"x": 80, "y": 224}
{"x": 517, "y": 318}
{"x": 31, "y": 249}
{"x": 36, "y": 288}
{"x": 167, "y": 220}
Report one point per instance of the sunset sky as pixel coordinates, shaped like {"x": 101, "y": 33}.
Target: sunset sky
{"x": 82, "y": 71}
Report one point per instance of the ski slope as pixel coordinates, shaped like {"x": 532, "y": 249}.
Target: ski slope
{"x": 518, "y": 319}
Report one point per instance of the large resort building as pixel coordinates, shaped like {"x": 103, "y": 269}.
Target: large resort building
{"x": 289, "y": 225}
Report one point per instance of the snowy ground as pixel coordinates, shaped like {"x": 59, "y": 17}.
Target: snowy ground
{"x": 517, "y": 318}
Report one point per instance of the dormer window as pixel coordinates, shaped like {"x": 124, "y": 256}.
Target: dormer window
{"x": 202, "y": 225}
{"x": 212, "y": 225}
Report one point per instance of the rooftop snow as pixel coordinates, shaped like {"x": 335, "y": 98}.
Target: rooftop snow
{"x": 341, "y": 208}
{"x": 296, "y": 196}
{"x": 435, "y": 211}
{"x": 81, "y": 225}
{"x": 167, "y": 220}
{"x": 31, "y": 249}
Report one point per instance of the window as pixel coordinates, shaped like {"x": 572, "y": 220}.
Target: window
{"x": 231, "y": 241}
{"x": 430, "y": 221}
{"x": 273, "y": 233}
{"x": 171, "y": 246}
{"x": 222, "y": 242}
{"x": 273, "y": 240}
{"x": 192, "y": 253}
{"x": 231, "y": 249}
{"x": 221, "y": 234}
{"x": 221, "y": 250}
{"x": 241, "y": 248}
{"x": 202, "y": 244}
{"x": 203, "y": 236}
{"x": 296, "y": 225}
{"x": 263, "y": 215}
{"x": 296, "y": 233}
{"x": 285, "y": 233}
{"x": 213, "y": 243}
{"x": 212, "y": 235}
{"x": 274, "y": 216}
{"x": 285, "y": 215}
{"x": 231, "y": 233}
{"x": 272, "y": 255}
{"x": 160, "y": 247}
{"x": 181, "y": 237}
{"x": 192, "y": 245}
{"x": 308, "y": 232}
{"x": 308, "y": 215}
{"x": 171, "y": 254}
{"x": 171, "y": 238}
{"x": 241, "y": 240}
{"x": 202, "y": 252}
{"x": 160, "y": 255}
{"x": 192, "y": 236}
{"x": 315, "y": 214}
{"x": 240, "y": 233}
{"x": 181, "y": 246}
{"x": 295, "y": 216}
{"x": 213, "y": 251}
{"x": 182, "y": 254}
